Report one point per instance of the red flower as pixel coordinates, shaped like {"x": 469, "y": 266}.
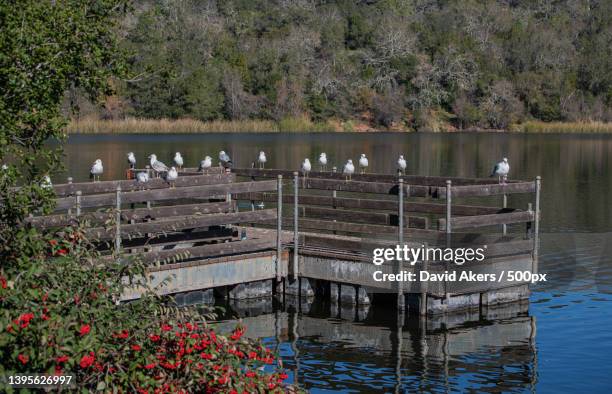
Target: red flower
{"x": 87, "y": 360}
{"x": 84, "y": 330}
{"x": 3, "y": 282}
{"x": 23, "y": 358}
{"x": 206, "y": 356}
{"x": 150, "y": 366}
{"x": 282, "y": 376}
{"x": 62, "y": 359}
{"x": 123, "y": 334}
{"x": 24, "y": 320}
{"x": 166, "y": 327}
{"x": 222, "y": 380}
{"x": 62, "y": 252}
{"x": 136, "y": 348}
{"x": 252, "y": 355}
{"x": 250, "y": 374}
{"x": 52, "y": 242}
{"x": 44, "y": 317}
{"x": 58, "y": 370}
{"x": 154, "y": 337}
{"x": 237, "y": 334}
{"x": 271, "y": 386}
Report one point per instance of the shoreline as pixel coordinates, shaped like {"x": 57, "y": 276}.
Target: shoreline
{"x": 301, "y": 125}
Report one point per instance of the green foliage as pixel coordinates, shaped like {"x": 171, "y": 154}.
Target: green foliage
{"x": 60, "y": 308}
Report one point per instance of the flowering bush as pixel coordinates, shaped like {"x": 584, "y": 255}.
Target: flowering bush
{"x": 62, "y": 316}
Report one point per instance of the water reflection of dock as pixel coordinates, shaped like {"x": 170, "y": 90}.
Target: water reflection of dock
{"x": 495, "y": 348}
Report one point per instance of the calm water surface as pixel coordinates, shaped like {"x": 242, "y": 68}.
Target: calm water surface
{"x": 560, "y": 342}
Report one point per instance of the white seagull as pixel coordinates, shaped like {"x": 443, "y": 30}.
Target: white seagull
{"x": 96, "y": 170}
{"x": 224, "y": 160}
{"x": 401, "y": 164}
{"x": 157, "y": 165}
{"x": 306, "y": 167}
{"x": 131, "y": 160}
{"x": 206, "y": 163}
{"x": 262, "y": 159}
{"x": 46, "y": 182}
{"x": 323, "y": 161}
{"x": 142, "y": 178}
{"x": 501, "y": 171}
{"x": 349, "y": 169}
{"x": 171, "y": 176}
{"x": 178, "y": 160}
{"x": 363, "y": 163}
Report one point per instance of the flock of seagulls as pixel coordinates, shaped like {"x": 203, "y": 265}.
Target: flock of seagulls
{"x": 171, "y": 174}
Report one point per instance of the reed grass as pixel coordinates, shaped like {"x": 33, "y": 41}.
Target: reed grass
{"x": 176, "y": 126}
{"x": 564, "y": 127}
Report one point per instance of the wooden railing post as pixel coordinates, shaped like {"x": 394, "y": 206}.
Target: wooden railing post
{"x": 536, "y": 230}
{"x": 504, "y": 205}
{"x": 77, "y": 202}
{"x": 296, "y": 236}
{"x": 69, "y": 182}
{"x": 400, "y": 241}
{"x": 149, "y": 173}
{"x": 448, "y": 228}
{"x": 118, "y": 220}
{"x": 279, "y": 225}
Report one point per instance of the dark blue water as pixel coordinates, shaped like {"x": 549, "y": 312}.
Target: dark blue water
{"x": 560, "y": 342}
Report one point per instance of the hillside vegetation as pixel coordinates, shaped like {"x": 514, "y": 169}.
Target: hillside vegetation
{"x": 390, "y": 64}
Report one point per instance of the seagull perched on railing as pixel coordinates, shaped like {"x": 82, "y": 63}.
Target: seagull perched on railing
{"x": 349, "y": 169}
{"x": 131, "y": 160}
{"x": 142, "y": 178}
{"x": 323, "y": 161}
{"x": 157, "y": 165}
{"x": 96, "y": 170}
{"x": 178, "y": 160}
{"x": 306, "y": 167}
{"x": 171, "y": 176}
{"x": 224, "y": 160}
{"x": 501, "y": 170}
{"x": 262, "y": 159}
{"x": 363, "y": 163}
{"x": 206, "y": 163}
{"x": 46, "y": 182}
{"x": 401, "y": 164}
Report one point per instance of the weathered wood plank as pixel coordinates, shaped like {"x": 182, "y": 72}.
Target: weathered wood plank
{"x": 181, "y": 223}
{"x": 487, "y": 220}
{"x": 206, "y": 251}
{"x": 486, "y": 190}
{"x": 68, "y": 189}
{"x": 416, "y": 180}
{"x": 178, "y": 210}
{"x": 361, "y": 187}
{"x": 387, "y": 219}
{"x": 204, "y": 191}
{"x": 132, "y": 214}
{"x": 378, "y": 204}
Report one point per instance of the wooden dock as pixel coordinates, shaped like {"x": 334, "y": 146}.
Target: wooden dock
{"x": 247, "y": 232}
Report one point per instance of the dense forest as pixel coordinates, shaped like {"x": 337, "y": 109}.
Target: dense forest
{"x": 406, "y": 64}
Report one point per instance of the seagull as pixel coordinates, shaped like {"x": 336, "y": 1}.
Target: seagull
{"x": 142, "y": 178}
{"x": 363, "y": 163}
{"x": 224, "y": 160}
{"x": 46, "y": 182}
{"x": 323, "y": 161}
{"x": 206, "y": 163}
{"x": 262, "y": 159}
{"x": 131, "y": 160}
{"x": 96, "y": 170}
{"x": 306, "y": 167}
{"x": 178, "y": 160}
{"x": 401, "y": 164}
{"x": 501, "y": 170}
{"x": 157, "y": 165}
{"x": 171, "y": 176}
{"x": 349, "y": 169}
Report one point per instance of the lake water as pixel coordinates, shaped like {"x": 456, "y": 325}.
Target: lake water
{"x": 560, "y": 342}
